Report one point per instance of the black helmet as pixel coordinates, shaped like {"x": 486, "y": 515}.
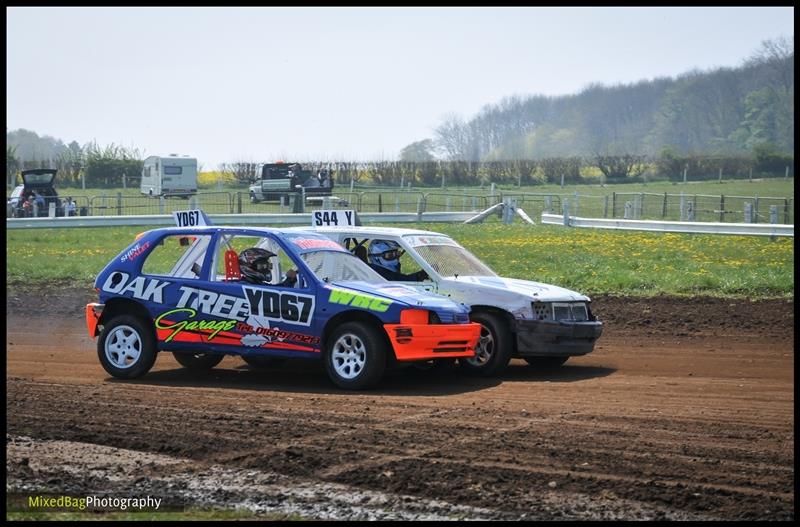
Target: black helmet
{"x": 254, "y": 265}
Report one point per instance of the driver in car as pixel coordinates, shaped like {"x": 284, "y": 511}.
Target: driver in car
{"x": 255, "y": 267}
{"x": 384, "y": 258}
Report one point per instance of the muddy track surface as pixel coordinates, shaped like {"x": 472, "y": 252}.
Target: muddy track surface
{"x": 684, "y": 411}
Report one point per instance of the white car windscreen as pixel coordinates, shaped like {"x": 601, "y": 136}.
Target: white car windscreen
{"x": 451, "y": 260}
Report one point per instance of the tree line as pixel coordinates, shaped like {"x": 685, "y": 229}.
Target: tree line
{"x": 90, "y": 164}
{"x": 720, "y": 112}
{"x": 627, "y": 168}
{"x": 105, "y": 167}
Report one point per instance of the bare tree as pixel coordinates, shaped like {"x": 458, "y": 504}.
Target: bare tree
{"x": 451, "y": 137}
{"x": 778, "y": 55}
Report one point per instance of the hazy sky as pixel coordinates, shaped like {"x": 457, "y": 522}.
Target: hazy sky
{"x": 260, "y": 84}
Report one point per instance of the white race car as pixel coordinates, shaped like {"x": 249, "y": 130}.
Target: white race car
{"x": 541, "y": 323}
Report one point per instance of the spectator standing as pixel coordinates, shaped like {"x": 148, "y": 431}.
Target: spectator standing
{"x": 40, "y": 204}
{"x": 27, "y": 207}
{"x": 70, "y": 206}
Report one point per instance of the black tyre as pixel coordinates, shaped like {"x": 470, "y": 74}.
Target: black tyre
{"x": 355, "y": 356}
{"x": 198, "y": 361}
{"x": 126, "y": 347}
{"x": 494, "y": 347}
{"x": 546, "y": 363}
{"x": 259, "y": 362}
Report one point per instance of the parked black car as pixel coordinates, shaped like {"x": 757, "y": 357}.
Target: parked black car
{"x": 40, "y": 181}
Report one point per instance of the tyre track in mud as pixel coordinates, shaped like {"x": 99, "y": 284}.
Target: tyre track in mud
{"x": 651, "y": 425}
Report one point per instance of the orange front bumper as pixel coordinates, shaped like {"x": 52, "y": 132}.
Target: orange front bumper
{"x": 93, "y": 312}
{"x": 433, "y": 341}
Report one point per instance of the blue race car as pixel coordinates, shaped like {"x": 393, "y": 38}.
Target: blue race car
{"x": 265, "y": 294}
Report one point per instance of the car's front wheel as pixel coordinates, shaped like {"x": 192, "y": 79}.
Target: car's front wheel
{"x": 493, "y": 350}
{"x": 198, "y": 361}
{"x": 355, "y": 356}
{"x": 546, "y": 363}
{"x": 126, "y": 347}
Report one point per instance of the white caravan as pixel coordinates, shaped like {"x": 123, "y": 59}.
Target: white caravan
{"x": 169, "y": 176}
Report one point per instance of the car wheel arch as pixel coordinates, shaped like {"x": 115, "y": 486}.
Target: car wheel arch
{"x": 356, "y": 316}
{"x": 504, "y": 315}
{"x": 126, "y": 306}
{"x": 494, "y": 310}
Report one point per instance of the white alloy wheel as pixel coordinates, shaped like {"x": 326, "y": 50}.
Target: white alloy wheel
{"x": 348, "y": 356}
{"x": 123, "y": 347}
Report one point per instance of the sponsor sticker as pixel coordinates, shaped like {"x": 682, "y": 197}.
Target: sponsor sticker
{"x": 353, "y": 299}
{"x": 134, "y": 252}
{"x": 191, "y": 324}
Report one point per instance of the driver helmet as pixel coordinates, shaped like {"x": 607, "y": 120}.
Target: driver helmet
{"x": 254, "y": 265}
{"x": 385, "y": 253}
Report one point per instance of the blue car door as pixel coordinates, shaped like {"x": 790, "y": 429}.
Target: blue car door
{"x": 278, "y": 318}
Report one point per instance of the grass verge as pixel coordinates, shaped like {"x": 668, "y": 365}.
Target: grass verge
{"x": 591, "y": 261}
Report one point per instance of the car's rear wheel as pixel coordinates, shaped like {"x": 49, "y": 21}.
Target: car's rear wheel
{"x": 355, "y": 357}
{"x": 546, "y": 363}
{"x": 261, "y": 362}
{"x": 493, "y": 350}
{"x": 126, "y": 347}
{"x": 198, "y": 361}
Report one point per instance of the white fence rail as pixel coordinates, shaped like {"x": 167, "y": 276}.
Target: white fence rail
{"x": 228, "y": 219}
{"x": 758, "y": 229}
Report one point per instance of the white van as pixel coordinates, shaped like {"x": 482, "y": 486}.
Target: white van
{"x": 169, "y": 176}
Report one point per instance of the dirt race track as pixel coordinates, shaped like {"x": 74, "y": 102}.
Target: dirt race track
{"x": 684, "y": 411}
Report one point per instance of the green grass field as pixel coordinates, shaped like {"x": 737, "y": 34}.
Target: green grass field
{"x": 587, "y": 260}
{"x": 774, "y": 187}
